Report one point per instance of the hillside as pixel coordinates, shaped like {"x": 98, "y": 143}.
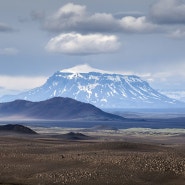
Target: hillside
{"x": 16, "y": 128}
{"x": 57, "y": 108}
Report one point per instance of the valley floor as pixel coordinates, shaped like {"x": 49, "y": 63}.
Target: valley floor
{"x": 44, "y": 160}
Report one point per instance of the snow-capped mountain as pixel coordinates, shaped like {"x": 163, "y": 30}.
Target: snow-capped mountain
{"x": 100, "y": 88}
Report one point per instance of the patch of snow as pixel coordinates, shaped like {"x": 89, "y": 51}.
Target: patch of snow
{"x": 59, "y": 75}
{"x": 112, "y": 89}
{"x": 103, "y": 100}
{"x": 54, "y": 93}
{"x": 63, "y": 91}
{"x": 88, "y": 88}
{"x": 133, "y": 93}
{"x": 74, "y": 75}
{"x": 55, "y": 83}
{"x": 143, "y": 89}
{"x": 114, "y": 78}
{"x": 91, "y": 77}
{"x": 157, "y": 96}
{"x": 175, "y": 94}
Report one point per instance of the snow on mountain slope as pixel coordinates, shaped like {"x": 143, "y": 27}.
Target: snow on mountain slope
{"x": 99, "y": 88}
{"x": 175, "y": 94}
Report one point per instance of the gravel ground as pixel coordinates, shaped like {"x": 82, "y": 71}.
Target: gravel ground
{"x": 48, "y": 161}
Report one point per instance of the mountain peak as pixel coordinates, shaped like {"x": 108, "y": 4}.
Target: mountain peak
{"x": 84, "y": 68}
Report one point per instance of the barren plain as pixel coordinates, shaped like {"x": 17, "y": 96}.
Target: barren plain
{"x": 46, "y": 160}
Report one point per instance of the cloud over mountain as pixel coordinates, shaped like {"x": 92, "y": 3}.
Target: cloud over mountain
{"x": 84, "y": 33}
{"x": 75, "y": 43}
{"x": 72, "y": 17}
{"x": 137, "y": 25}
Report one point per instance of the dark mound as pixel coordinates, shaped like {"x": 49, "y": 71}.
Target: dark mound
{"x": 75, "y": 136}
{"x": 20, "y": 129}
{"x": 55, "y": 109}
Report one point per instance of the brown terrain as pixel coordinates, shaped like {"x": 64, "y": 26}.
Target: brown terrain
{"x": 45, "y": 160}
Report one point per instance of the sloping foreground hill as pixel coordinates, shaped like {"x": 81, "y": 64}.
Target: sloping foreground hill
{"x": 57, "y": 108}
{"x": 16, "y": 128}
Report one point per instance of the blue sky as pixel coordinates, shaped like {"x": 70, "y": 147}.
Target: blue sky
{"x": 144, "y": 37}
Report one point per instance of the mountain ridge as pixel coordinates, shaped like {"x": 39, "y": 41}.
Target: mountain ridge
{"x": 102, "y": 89}
{"x": 56, "y": 108}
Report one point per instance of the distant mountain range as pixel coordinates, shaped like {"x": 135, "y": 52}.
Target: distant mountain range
{"x": 99, "y": 88}
{"x": 57, "y": 108}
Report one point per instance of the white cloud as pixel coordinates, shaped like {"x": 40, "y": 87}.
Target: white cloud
{"x": 137, "y": 25}
{"x": 72, "y": 17}
{"x": 66, "y": 18}
{"x": 71, "y": 9}
{"x": 8, "y": 51}
{"x": 168, "y": 12}
{"x": 75, "y": 43}
{"x": 76, "y": 18}
{"x": 178, "y": 33}
{"x": 21, "y": 82}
